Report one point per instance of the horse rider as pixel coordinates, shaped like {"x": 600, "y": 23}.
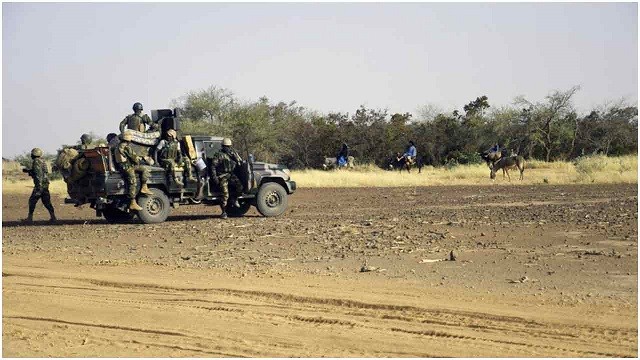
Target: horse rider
{"x": 40, "y": 176}
{"x": 130, "y": 164}
{"x": 343, "y": 155}
{"x": 137, "y": 121}
{"x": 222, "y": 166}
{"x": 411, "y": 152}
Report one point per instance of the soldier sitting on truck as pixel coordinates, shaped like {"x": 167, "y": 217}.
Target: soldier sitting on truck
{"x": 170, "y": 155}
{"x": 222, "y": 166}
{"x": 129, "y": 164}
{"x": 137, "y": 120}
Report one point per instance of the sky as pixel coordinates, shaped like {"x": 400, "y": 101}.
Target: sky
{"x": 74, "y": 68}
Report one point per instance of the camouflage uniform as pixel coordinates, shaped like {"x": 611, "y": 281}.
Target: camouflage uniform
{"x": 171, "y": 157}
{"x": 136, "y": 122}
{"x": 130, "y": 164}
{"x": 39, "y": 173}
{"x": 222, "y": 166}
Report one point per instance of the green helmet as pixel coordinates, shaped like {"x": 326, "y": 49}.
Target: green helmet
{"x": 226, "y": 142}
{"x": 36, "y": 152}
{"x": 137, "y": 106}
{"x": 85, "y": 138}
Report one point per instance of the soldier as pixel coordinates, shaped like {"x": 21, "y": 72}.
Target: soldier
{"x": 130, "y": 163}
{"x": 222, "y": 166}
{"x": 170, "y": 155}
{"x": 137, "y": 120}
{"x": 85, "y": 142}
{"x": 39, "y": 173}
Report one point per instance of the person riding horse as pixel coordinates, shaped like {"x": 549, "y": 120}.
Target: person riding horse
{"x": 410, "y": 154}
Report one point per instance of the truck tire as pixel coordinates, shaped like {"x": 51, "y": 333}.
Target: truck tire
{"x": 116, "y": 216}
{"x": 272, "y": 199}
{"x": 155, "y": 208}
{"x": 233, "y": 211}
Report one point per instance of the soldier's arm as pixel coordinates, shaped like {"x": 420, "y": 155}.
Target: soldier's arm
{"x": 179, "y": 156}
{"x": 123, "y": 124}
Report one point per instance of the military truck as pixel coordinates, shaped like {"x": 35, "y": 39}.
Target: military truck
{"x": 93, "y": 178}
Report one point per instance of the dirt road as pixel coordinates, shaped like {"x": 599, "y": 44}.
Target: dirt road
{"x": 542, "y": 271}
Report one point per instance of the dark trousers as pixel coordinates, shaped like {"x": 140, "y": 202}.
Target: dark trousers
{"x": 37, "y": 195}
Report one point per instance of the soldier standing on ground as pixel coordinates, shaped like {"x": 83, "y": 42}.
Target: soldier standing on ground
{"x": 130, "y": 164}
{"x": 222, "y": 166}
{"x": 40, "y": 176}
{"x": 170, "y": 155}
{"x": 137, "y": 121}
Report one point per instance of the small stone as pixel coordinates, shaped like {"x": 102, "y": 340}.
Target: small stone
{"x": 453, "y": 255}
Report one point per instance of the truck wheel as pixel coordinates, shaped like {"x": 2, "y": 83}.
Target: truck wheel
{"x": 238, "y": 212}
{"x": 115, "y": 216}
{"x": 272, "y": 199}
{"x": 155, "y": 208}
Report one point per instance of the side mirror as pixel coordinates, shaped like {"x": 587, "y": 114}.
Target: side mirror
{"x": 251, "y": 158}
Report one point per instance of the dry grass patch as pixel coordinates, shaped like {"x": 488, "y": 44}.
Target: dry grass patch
{"x": 586, "y": 170}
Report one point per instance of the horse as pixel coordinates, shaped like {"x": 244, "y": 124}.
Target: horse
{"x": 332, "y": 163}
{"x": 506, "y": 163}
{"x": 401, "y": 162}
{"x": 492, "y": 156}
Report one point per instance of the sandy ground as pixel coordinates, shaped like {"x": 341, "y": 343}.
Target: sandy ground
{"x": 540, "y": 271}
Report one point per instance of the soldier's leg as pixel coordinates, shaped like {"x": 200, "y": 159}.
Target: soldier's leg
{"x": 144, "y": 177}
{"x": 176, "y": 178}
{"x": 235, "y": 190}
{"x": 224, "y": 186}
{"x": 46, "y": 201}
{"x": 186, "y": 166}
{"x": 33, "y": 200}
{"x": 130, "y": 175}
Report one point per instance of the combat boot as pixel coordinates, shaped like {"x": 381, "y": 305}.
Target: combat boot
{"x": 134, "y": 205}
{"x": 235, "y": 203}
{"x": 145, "y": 190}
{"x": 53, "y": 217}
{"x": 224, "y": 213}
{"x": 29, "y": 219}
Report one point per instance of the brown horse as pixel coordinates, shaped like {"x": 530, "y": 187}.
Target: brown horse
{"x": 507, "y": 163}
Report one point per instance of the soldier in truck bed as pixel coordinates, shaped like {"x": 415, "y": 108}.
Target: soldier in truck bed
{"x": 170, "y": 155}
{"x": 137, "y": 121}
{"x": 129, "y": 164}
{"x": 222, "y": 165}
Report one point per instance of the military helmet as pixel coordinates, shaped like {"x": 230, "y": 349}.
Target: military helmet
{"x": 226, "y": 142}
{"x": 127, "y": 136}
{"x": 85, "y": 138}
{"x": 137, "y": 106}
{"x": 36, "y": 152}
{"x": 172, "y": 133}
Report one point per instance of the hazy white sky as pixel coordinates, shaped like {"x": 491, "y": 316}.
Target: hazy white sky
{"x": 70, "y": 68}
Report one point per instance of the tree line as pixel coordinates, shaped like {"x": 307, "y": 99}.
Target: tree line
{"x": 288, "y": 133}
